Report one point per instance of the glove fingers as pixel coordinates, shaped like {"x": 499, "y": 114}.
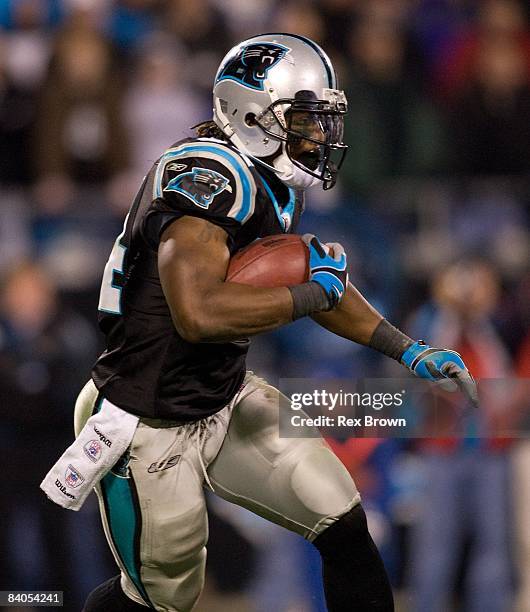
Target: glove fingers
{"x": 307, "y": 238}
{"x": 312, "y": 241}
{"x": 463, "y": 379}
{"x": 468, "y": 386}
{"x": 318, "y": 246}
{"x": 433, "y": 370}
{"x": 338, "y": 250}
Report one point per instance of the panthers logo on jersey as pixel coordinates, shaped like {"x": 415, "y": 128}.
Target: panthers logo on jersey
{"x": 250, "y": 66}
{"x": 201, "y": 185}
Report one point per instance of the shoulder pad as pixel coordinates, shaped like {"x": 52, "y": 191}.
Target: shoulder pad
{"x": 232, "y": 164}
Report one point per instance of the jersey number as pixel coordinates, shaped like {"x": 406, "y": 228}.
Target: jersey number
{"x": 110, "y": 294}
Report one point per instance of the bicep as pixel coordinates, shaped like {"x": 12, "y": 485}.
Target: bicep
{"x": 193, "y": 258}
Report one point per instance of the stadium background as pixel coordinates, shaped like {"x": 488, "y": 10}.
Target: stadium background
{"x": 432, "y": 207}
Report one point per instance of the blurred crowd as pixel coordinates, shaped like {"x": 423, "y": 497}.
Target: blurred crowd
{"x": 432, "y": 207}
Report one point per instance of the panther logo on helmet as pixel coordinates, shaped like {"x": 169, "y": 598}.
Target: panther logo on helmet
{"x": 201, "y": 185}
{"x": 251, "y": 64}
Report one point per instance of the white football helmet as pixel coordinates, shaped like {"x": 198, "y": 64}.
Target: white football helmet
{"x": 276, "y": 99}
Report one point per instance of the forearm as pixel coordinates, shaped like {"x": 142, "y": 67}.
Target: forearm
{"x": 354, "y": 318}
{"x": 230, "y": 311}
{"x": 357, "y": 320}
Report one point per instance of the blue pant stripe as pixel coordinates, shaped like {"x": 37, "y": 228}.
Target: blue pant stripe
{"x": 125, "y": 525}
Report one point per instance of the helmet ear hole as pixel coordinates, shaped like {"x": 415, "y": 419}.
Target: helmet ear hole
{"x": 250, "y": 119}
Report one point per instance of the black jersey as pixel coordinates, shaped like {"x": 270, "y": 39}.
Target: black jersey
{"x": 147, "y": 368}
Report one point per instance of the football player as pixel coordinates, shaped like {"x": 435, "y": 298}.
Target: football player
{"x": 177, "y": 335}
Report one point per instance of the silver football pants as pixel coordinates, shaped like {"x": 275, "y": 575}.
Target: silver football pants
{"x": 152, "y": 503}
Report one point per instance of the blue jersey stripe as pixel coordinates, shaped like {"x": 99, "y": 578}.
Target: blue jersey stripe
{"x": 289, "y": 208}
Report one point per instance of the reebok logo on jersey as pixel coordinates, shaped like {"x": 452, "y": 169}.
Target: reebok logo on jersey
{"x": 174, "y": 167}
{"x": 103, "y": 437}
{"x": 165, "y": 464}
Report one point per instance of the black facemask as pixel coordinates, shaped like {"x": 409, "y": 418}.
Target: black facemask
{"x": 313, "y": 133}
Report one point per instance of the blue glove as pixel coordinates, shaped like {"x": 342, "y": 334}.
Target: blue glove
{"x": 329, "y": 271}
{"x": 438, "y": 364}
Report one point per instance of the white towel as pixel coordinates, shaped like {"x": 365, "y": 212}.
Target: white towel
{"x": 102, "y": 441}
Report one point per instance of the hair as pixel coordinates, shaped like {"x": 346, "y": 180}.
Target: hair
{"x": 209, "y": 129}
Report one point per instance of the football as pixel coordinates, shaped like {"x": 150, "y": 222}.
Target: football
{"x": 274, "y": 261}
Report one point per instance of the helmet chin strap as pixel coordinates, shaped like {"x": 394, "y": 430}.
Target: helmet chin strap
{"x": 292, "y": 175}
